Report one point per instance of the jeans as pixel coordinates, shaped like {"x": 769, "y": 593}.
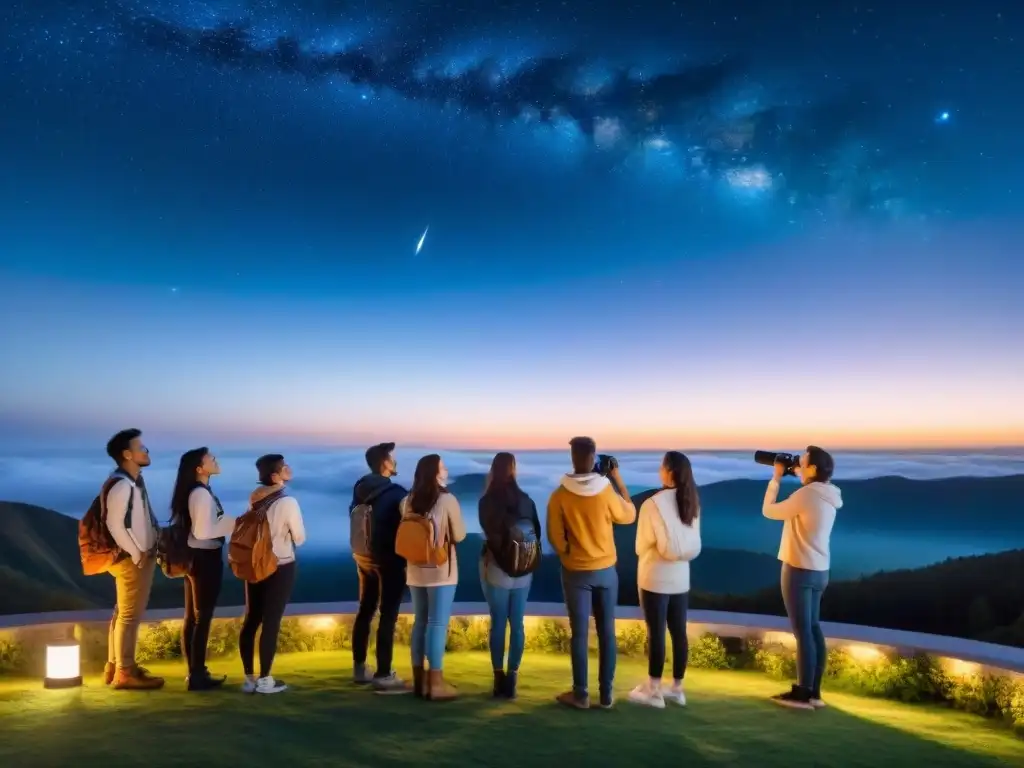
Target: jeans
{"x": 132, "y": 583}
{"x": 597, "y": 590}
{"x": 380, "y": 587}
{"x": 507, "y": 608}
{"x": 432, "y": 608}
{"x": 661, "y": 612}
{"x": 265, "y": 602}
{"x": 202, "y": 588}
{"x": 801, "y": 592}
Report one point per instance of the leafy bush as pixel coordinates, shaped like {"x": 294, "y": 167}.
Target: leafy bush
{"x": 708, "y": 652}
{"x": 11, "y": 656}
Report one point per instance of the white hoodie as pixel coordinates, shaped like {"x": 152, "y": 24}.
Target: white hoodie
{"x": 808, "y": 514}
{"x": 664, "y": 545}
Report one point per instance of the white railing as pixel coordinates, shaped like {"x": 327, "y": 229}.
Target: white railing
{"x": 768, "y": 628}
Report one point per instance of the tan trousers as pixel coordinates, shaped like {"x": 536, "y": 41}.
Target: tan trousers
{"x": 133, "y": 584}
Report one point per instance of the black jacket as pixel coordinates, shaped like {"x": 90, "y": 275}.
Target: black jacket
{"x": 386, "y": 516}
{"x": 495, "y": 514}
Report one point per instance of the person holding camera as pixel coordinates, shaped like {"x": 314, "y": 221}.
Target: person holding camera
{"x": 808, "y": 515}
{"x": 581, "y": 513}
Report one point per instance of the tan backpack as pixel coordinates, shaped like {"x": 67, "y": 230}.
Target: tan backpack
{"x": 251, "y": 553}
{"x": 421, "y": 540}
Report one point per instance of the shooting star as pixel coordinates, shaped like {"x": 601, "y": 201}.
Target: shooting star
{"x": 423, "y": 237}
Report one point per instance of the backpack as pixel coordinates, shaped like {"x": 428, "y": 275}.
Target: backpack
{"x": 251, "y": 553}
{"x": 420, "y": 541}
{"x": 518, "y": 552}
{"x": 173, "y": 552}
{"x": 98, "y": 550}
{"x": 360, "y": 519}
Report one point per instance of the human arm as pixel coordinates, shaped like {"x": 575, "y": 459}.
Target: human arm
{"x": 205, "y": 524}
{"x": 456, "y": 525}
{"x": 293, "y": 520}
{"x": 556, "y": 527}
{"x": 536, "y": 519}
{"x": 780, "y": 510}
{"x": 620, "y": 505}
{"x": 645, "y": 535}
{"x": 487, "y": 516}
{"x": 117, "y": 501}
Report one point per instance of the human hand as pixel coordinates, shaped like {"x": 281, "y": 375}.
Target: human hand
{"x": 778, "y": 470}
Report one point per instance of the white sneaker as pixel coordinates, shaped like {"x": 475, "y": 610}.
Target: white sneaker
{"x": 249, "y": 686}
{"x": 818, "y": 703}
{"x": 269, "y": 685}
{"x": 675, "y": 695}
{"x": 362, "y": 675}
{"x": 645, "y": 696}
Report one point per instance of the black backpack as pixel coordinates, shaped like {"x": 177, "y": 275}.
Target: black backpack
{"x": 518, "y": 552}
{"x": 360, "y": 518}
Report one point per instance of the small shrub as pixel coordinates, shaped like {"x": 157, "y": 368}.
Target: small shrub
{"x": 12, "y": 657}
{"x": 708, "y": 652}
{"x": 468, "y": 634}
{"x": 550, "y": 635}
{"x": 776, "y": 662}
{"x": 161, "y": 640}
{"x": 631, "y": 640}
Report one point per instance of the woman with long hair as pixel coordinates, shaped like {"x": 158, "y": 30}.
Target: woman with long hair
{"x": 433, "y": 586}
{"x": 195, "y": 510}
{"x": 667, "y": 539}
{"x": 511, "y": 552}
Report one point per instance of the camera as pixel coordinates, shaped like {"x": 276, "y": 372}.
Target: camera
{"x": 769, "y": 458}
{"x": 605, "y": 464}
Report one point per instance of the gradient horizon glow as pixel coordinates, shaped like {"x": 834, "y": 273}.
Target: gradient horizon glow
{"x": 218, "y": 242}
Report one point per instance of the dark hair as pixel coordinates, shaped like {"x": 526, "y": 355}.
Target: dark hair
{"x": 269, "y": 465}
{"x": 822, "y": 462}
{"x": 501, "y": 480}
{"x": 184, "y": 484}
{"x": 376, "y": 455}
{"x": 121, "y": 442}
{"x": 583, "y": 451}
{"x": 687, "y": 498}
{"x": 425, "y": 490}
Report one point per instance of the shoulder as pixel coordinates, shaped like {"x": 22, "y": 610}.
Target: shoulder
{"x": 448, "y": 501}
{"x": 199, "y": 494}
{"x": 286, "y": 505}
{"x": 119, "y": 485}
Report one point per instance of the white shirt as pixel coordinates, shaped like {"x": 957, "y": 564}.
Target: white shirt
{"x": 286, "y": 529}
{"x": 140, "y": 538}
{"x": 808, "y": 516}
{"x": 207, "y": 527}
{"x": 665, "y": 545}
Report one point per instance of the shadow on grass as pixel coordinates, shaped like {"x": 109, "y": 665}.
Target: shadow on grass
{"x": 325, "y": 720}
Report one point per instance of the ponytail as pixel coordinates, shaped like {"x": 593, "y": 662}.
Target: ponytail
{"x": 687, "y": 498}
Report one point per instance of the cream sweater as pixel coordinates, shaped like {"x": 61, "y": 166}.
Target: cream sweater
{"x": 664, "y": 545}
{"x": 449, "y": 518}
{"x": 808, "y": 516}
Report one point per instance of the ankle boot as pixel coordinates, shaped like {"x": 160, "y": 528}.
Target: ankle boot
{"x": 511, "y": 679}
{"x": 419, "y": 690}
{"x": 499, "y": 683}
{"x": 439, "y": 690}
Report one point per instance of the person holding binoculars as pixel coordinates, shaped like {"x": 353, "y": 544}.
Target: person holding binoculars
{"x": 581, "y": 514}
{"x": 807, "y": 516}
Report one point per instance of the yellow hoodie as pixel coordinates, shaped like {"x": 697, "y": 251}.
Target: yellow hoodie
{"x": 581, "y": 513}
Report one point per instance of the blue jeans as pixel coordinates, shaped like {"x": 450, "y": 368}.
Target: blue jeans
{"x": 508, "y": 608}
{"x": 432, "y": 608}
{"x": 597, "y": 590}
{"x": 801, "y": 592}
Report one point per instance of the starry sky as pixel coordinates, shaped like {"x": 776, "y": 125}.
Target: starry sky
{"x": 694, "y": 224}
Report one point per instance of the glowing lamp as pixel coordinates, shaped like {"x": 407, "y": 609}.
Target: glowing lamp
{"x": 63, "y": 665}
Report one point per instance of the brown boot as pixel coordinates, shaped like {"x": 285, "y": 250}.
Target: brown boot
{"x": 419, "y": 690}
{"x": 108, "y": 672}
{"x": 136, "y": 679}
{"x": 439, "y": 690}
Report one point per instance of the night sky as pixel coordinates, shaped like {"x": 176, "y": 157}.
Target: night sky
{"x": 661, "y": 223}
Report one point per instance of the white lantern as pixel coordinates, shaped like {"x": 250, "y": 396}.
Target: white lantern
{"x": 63, "y": 665}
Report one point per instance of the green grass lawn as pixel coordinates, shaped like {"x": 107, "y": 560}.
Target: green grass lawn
{"x": 325, "y": 720}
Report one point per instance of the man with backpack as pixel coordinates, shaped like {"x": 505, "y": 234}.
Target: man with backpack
{"x": 129, "y": 520}
{"x": 374, "y": 515}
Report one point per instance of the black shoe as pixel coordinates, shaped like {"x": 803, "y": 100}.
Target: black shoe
{"x": 796, "y": 698}
{"x": 499, "y": 684}
{"x": 511, "y": 679}
{"x": 204, "y": 681}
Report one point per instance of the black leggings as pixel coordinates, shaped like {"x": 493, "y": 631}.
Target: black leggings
{"x": 202, "y": 588}
{"x": 265, "y": 602}
{"x": 380, "y": 588}
{"x": 661, "y": 611}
